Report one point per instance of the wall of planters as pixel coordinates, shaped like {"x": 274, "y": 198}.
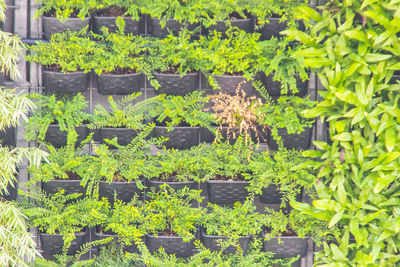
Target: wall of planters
{"x": 158, "y": 121}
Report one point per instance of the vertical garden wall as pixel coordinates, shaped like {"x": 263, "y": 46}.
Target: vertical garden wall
{"x": 178, "y": 132}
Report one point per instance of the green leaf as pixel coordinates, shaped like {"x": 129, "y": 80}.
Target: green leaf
{"x": 390, "y": 138}
{"x": 375, "y": 57}
{"x": 309, "y": 12}
{"x": 344, "y": 137}
{"x": 336, "y": 218}
{"x": 356, "y": 34}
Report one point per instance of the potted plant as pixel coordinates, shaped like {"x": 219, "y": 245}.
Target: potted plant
{"x": 229, "y": 163}
{"x": 63, "y": 171}
{"x": 56, "y": 117}
{"x": 228, "y": 62}
{"x": 288, "y": 126}
{"x": 171, "y": 220}
{"x": 236, "y": 115}
{"x": 177, "y": 168}
{"x": 124, "y": 119}
{"x": 175, "y": 66}
{"x": 178, "y": 118}
{"x": 62, "y": 220}
{"x": 65, "y": 61}
{"x": 119, "y": 62}
{"x": 288, "y": 235}
{"x": 7, "y": 137}
{"x": 60, "y": 16}
{"x": 231, "y": 229}
{"x": 275, "y": 179}
{"x": 110, "y": 10}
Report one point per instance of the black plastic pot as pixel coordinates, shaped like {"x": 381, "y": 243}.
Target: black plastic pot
{"x": 230, "y": 83}
{"x": 179, "y": 137}
{"x": 171, "y": 244}
{"x": 174, "y": 185}
{"x": 7, "y": 137}
{"x": 124, "y": 135}
{"x": 124, "y": 190}
{"x": 171, "y": 25}
{"x": 131, "y": 248}
{"x": 226, "y": 192}
{"x": 59, "y": 138}
{"x": 291, "y": 141}
{"x": 274, "y": 87}
{"x": 243, "y": 24}
{"x": 208, "y": 137}
{"x": 65, "y": 83}
{"x": 69, "y": 186}
{"x": 52, "y": 25}
{"x": 287, "y": 247}
{"x": 273, "y": 28}
{"x": 52, "y": 244}
{"x": 174, "y": 84}
{"x": 272, "y": 195}
{"x": 210, "y": 242}
{"x": 131, "y": 26}
{"x": 110, "y": 84}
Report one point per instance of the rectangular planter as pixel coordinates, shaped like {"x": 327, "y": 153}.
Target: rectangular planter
{"x": 171, "y": 244}
{"x": 52, "y": 244}
{"x": 210, "y": 242}
{"x": 65, "y": 83}
{"x": 287, "y": 247}
{"x": 227, "y": 192}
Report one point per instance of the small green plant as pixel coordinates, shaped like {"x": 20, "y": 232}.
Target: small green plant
{"x": 65, "y": 52}
{"x": 169, "y": 212}
{"x": 110, "y": 256}
{"x": 67, "y": 112}
{"x": 183, "y": 111}
{"x": 125, "y": 113}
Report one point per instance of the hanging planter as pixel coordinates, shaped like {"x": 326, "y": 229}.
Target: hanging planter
{"x": 106, "y": 18}
{"x": 274, "y": 87}
{"x": 243, "y": 24}
{"x": 69, "y": 186}
{"x": 171, "y": 25}
{"x": 59, "y": 138}
{"x": 174, "y": 185}
{"x": 52, "y": 244}
{"x": 179, "y": 138}
{"x": 211, "y": 242}
{"x": 100, "y": 235}
{"x": 226, "y": 192}
{"x": 7, "y": 137}
{"x": 229, "y": 84}
{"x": 272, "y": 195}
{"x": 226, "y": 134}
{"x": 65, "y": 83}
{"x": 171, "y": 244}
{"x": 125, "y": 190}
{"x": 174, "y": 84}
{"x": 119, "y": 84}
{"x": 287, "y": 246}
{"x": 292, "y": 141}
{"x": 272, "y": 29}
{"x": 124, "y": 135}
{"x": 52, "y": 25}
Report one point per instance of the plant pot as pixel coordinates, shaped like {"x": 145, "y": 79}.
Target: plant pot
{"x": 287, "y": 247}
{"x": 125, "y": 190}
{"x": 59, "y": 138}
{"x": 69, "y": 187}
{"x": 171, "y": 244}
{"x": 124, "y": 135}
{"x": 272, "y": 195}
{"x": 208, "y": 137}
{"x": 65, "y": 83}
{"x": 131, "y": 26}
{"x": 229, "y": 83}
{"x": 171, "y": 25}
{"x": 242, "y": 24}
{"x": 52, "y": 244}
{"x": 210, "y": 242}
{"x": 174, "y": 84}
{"x": 272, "y": 29}
{"x": 7, "y": 137}
{"x": 274, "y": 87}
{"x": 291, "y": 141}
{"x": 179, "y": 137}
{"x": 227, "y": 192}
{"x": 110, "y": 84}
{"x": 174, "y": 185}
{"x": 131, "y": 248}
{"x": 52, "y": 25}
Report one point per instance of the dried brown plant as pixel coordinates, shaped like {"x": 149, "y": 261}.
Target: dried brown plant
{"x": 237, "y": 114}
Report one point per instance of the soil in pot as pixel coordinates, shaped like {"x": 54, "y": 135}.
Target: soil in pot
{"x": 171, "y": 243}
{"x": 226, "y": 191}
{"x": 211, "y": 242}
{"x": 171, "y": 83}
{"x": 52, "y": 244}
{"x": 55, "y": 82}
{"x": 106, "y": 18}
{"x": 58, "y": 138}
{"x": 119, "y": 82}
{"x": 181, "y": 137}
{"x": 52, "y": 25}
{"x": 292, "y": 141}
{"x": 70, "y": 186}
